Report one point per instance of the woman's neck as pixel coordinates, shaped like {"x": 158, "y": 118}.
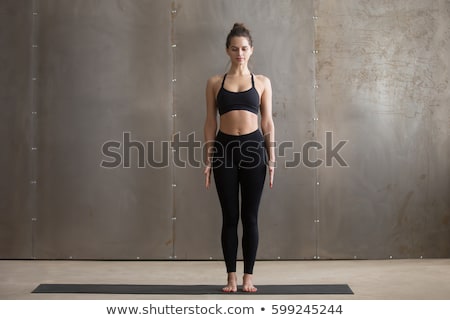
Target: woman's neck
{"x": 239, "y": 70}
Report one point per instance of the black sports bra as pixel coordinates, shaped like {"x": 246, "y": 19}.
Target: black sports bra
{"x": 245, "y": 100}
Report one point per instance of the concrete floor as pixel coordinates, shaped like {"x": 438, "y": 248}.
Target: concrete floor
{"x": 427, "y": 279}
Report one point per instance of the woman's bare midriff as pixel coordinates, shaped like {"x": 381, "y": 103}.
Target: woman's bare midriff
{"x": 238, "y": 122}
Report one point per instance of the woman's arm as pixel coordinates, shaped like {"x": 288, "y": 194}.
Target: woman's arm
{"x": 210, "y": 128}
{"x": 267, "y": 126}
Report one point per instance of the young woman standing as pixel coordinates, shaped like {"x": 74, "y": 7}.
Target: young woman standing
{"x": 238, "y": 153}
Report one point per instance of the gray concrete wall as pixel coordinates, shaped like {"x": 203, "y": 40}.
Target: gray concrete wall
{"x": 80, "y": 76}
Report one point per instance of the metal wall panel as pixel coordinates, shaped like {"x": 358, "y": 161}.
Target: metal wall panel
{"x": 104, "y": 72}
{"x": 15, "y": 110}
{"x": 374, "y": 74}
{"x": 383, "y": 75}
{"x": 283, "y": 41}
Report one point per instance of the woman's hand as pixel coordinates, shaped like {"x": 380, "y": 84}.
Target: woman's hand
{"x": 207, "y": 173}
{"x": 271, "y": 173}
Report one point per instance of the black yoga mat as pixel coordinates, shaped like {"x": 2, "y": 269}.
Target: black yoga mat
{"x": 190, "y": 289}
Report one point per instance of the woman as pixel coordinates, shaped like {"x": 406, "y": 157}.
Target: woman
{"x": 237, "y": 153}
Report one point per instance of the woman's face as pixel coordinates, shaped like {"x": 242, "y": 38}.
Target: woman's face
{"x": 239, "y": 50}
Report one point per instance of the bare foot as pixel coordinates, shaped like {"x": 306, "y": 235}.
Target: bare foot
{"x": 247, "y": 285}
{"x": 231, "y": 283}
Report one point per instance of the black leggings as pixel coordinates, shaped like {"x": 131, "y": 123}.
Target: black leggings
{"x": 239, "y": 161}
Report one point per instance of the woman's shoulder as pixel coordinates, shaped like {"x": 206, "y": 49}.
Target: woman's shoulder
{"x": 215, "y": 79}
{"x": 264, "y": 80}
{"x": 214, "y": 83}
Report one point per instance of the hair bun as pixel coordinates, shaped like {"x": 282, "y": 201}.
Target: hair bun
{"x": 238, "y": 25}
{"x": 239, "y": 30}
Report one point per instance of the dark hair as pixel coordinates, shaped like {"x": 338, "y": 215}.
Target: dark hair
{"x": 239, "y": 30}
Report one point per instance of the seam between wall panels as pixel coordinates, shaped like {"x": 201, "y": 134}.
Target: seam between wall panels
{"x": 315, "y": 84}
{"x": 33, "y": 127}
{"x": 172, "y": 43}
